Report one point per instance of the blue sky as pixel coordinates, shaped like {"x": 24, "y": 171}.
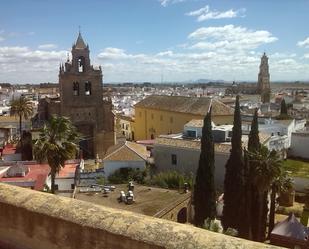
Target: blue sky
{"x": 142, "y": 40}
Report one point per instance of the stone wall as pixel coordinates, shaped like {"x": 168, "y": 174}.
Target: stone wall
{"x": 179, "y": 211}
{"x": 35, "y": 220}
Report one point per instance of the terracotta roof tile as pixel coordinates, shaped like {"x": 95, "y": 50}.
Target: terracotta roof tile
{"x": 127, "y": 151}
{"x": 192, "y": 105}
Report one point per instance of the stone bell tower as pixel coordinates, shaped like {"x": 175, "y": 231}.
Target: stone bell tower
{"x": 263, "y": 85}
{"x": 81, "y": 99}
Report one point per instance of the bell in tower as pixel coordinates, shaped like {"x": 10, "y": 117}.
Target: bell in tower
{"x": 80, "y": 54}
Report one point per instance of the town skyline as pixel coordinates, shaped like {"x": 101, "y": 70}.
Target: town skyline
{"x": 140, "y": 41}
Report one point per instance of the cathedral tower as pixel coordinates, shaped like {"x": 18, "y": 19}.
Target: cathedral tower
{"x": 81, "y": 99}
{"x": 263, "y": 85}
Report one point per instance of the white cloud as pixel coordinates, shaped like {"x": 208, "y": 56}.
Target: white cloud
{"x": 165, "y": 53}
{"x": 304, "y": 43}
{"x": 111, "y": 53}
{"x": 22, "y": 64}
{"x": 306, "y": 56}
{"x": 47, "y": 46}
{"x": 205, "y": 13}
{"x": 230, "y": 37}
{"x": 165, "y": 3}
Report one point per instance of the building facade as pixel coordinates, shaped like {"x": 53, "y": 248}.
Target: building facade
{"x": 158, "y": 115}
{"x": 263, "y": 85}
{"x": 81, "y": 99}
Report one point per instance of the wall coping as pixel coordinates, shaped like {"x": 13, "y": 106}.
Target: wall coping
{"x": 138, "y": 227}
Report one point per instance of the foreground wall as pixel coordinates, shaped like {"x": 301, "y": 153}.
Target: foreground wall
{"x": 35, "y": 220}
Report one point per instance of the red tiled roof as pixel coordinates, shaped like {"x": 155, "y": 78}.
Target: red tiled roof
{"x": 67, "y": 171}
{"x": 35, "y": 178}
{"x": 9, "y": 149}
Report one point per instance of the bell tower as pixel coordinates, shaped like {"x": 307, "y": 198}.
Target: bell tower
{"x": 263, "y": 85}
{"x": 81, "y": 99}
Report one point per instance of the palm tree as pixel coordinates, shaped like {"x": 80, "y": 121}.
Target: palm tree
{"x": 21, "y": 107}
{"x": 56, "y": 144}
{"x": 266, "y": 167}
{"x": 281, "y": 184}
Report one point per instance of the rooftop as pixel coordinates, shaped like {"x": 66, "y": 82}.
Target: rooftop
{"x": 176, "y": 140}
{"x": 127, "y": 151}
{"x": 191, "y": 105}
{"x": 148, "y": 200}
{"x": 191, "y": 144}
{"x": 68, "y": 171}
{"x": 35, "y": 178}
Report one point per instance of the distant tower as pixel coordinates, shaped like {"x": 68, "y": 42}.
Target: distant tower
{"x": 263, "y": 85}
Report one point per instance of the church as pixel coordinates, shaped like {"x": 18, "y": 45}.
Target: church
{"x": 81, "y": 99}
{"x": 262, "y": 87}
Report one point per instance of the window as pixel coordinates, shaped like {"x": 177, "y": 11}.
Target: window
{"x": 161, "y": 118}
{"x": 72, "y": 186}
{"x": 140, "y": 114}
{"x": 171, "y": 119}
{"x": 81, "y": 64}
{"x": 75, "y": 88}
{"x": 87, "y": 88}
{"x": 191, "y": 133}
{"x": 152, "y": 116}
{"x": 56, "y": 187}
{"x": 174, "y": 159}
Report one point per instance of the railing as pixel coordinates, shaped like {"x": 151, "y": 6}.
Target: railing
{"x": 35, "y": 220}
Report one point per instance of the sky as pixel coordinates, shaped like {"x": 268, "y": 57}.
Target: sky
{"x": 156, "y": 40}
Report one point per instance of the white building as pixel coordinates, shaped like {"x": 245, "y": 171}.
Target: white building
{"x": 276, "y": 127}
{"x": 181, "y": 152}
{"x": 65, "y": 179}
{"x": 300, "y": 144}
{"x": 125, "y": 155}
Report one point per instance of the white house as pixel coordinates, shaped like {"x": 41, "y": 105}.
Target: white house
{"x": 125, "y": 155}
{"x": 65, "y": 179}
{"x": 300, "y": 144}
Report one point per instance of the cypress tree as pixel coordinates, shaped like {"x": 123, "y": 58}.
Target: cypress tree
{"x": 252, "y": 201}
{"x": 234, "y": 194}
{"x": 257, "y": 203}
{"x": 283, "y": 109}
{"x": 204, "y": 188}
{"x": 254, "y": 139}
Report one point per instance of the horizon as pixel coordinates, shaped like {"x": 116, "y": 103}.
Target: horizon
{"x": 140, "y": 41}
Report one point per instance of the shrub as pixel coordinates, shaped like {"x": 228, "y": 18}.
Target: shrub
{"x": 171, "y": 179}
{"x": 124, "y": 175}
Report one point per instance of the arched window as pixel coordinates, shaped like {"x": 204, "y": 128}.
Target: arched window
{"x": 81, "y": 64}
{"x": 75, "y": 88}
{"x": 87, "y": 88}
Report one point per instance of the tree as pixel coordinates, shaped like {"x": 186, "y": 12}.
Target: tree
{"x": 56, "y": 144}
{"x": 265, "y": 167}
{"x": 254, "y": 139}
{"x": 204, "y": 188}
{"x": 21, "y": 107}
{"x": 251, "y": 191}
{"x": 234, "y": 181}
{"x": 280, "y": 184}
{"x": 283, "y": 108}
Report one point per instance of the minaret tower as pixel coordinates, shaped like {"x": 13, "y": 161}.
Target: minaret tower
{"x": 263, "y": 85}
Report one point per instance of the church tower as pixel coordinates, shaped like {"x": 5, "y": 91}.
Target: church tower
{"x": 81, "y": 99}
{"x": 263, "y": 85}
